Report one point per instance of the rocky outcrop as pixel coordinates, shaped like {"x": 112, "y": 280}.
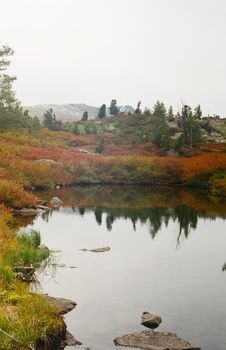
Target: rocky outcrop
{"x": 150, "y": 320}
{"x": 150, "y": 340}
{"x": 63, "y": 306}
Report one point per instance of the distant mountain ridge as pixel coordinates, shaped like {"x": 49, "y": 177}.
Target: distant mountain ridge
{"x": 71, "y": 111}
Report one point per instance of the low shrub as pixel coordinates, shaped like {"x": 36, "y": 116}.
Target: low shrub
{"x": 13, "y": 195}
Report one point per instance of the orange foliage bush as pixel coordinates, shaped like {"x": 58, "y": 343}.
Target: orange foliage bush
{"x": 13, "y": 195}
{"x": 203, "y": 164}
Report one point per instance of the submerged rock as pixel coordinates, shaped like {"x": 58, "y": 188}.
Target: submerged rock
{"x": 150, "y": 340}
{"x": 62, "y": 305}
{"x": 150, "y": 320}
{"x": 70, "y": 340}
{"x": 56, "y": 202}
{"x": 96, "y": 250}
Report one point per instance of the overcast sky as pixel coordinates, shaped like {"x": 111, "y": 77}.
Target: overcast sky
{"x": 90, "y": 51}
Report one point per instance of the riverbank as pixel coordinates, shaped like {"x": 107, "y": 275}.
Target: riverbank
{"x": 26, "y": 319}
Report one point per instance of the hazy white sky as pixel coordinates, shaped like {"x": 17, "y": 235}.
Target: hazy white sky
{"x": 74, "y": 51}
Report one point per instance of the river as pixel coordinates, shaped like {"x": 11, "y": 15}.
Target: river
{"x": 167, "y": 252}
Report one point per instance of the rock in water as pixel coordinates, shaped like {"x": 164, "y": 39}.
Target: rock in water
{"x": 70, "y": 340}
{"x": 150, "y": 340}
{"x": 96, "y": 250}
{"x": 29, "y": 211}
{"x": 56, "y": 202}
{"x": 62, "y": 305}
{"x": 150, "y": 320}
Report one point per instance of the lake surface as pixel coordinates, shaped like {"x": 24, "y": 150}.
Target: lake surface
{"x": 168, "y": 248}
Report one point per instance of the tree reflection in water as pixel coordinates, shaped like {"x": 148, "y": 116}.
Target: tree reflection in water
{"x": 186, "y": 217}
{"x": 153, "y": 207}
{"x": 147, "y": 205}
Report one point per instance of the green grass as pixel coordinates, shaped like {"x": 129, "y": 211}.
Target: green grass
{"x": 29, "y": 250}
{"x": 31, "y": 238}
{"x": 6, "y": 274}
{"x": 27, "y": 321}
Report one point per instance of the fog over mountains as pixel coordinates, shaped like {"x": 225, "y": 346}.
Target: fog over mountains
{"x": 72, "y": 111}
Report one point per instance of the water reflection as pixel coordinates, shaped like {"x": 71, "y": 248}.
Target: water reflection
{"x": 152, "y": 207}
{"x": 143, "y": 270}
{"x": 153, "y": 218}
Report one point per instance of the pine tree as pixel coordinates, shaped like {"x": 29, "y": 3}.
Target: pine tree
{"x": 160, "y": 133}
{"x": 85, "y": 116}
{"x": 138, "y": 111}
{"x": 170, "y": 115}
{"x": 11, "y": 114}
{"x": 7, "y": 95}
{"x": 50, "y": 122}
{"x": 113, "y": 108}
{"x": 198, "y": 112}
{"x": 102, "y": 112}
{"x": 191, "y": 130}
{"x": 48, "y": 118}
{"x": 159, "y": 111}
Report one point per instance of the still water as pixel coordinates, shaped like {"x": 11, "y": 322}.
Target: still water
{"x": 168, "y": 249}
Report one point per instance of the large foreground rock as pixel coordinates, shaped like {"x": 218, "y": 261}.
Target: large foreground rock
{"x": 150, "y": 340}
{"x": 62, "y": 305}
{"x": 150, "y": 320}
